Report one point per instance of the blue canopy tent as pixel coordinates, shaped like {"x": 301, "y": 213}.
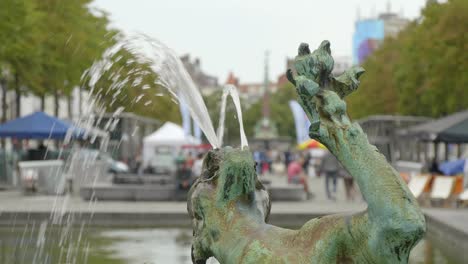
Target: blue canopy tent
{"x": 38, "y": 125}
{"x": 453, "y": 167}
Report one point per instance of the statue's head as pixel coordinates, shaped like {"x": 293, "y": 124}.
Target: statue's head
{"x": 228, "y": 181}
{"x": 303, "y": 49}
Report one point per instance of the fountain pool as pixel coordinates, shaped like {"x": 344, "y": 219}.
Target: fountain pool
{"x": 134, "y": 245}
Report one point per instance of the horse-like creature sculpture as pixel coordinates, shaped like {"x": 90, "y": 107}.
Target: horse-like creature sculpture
{"x": 229, "y": 207}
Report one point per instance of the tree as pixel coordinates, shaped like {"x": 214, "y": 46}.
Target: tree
{"x": 18, "y": 51}
{"x": 74, "y": 37}
{"x": 133, "y": 85}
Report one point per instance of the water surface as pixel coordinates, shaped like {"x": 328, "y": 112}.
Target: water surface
{"x": 129, "y": 246}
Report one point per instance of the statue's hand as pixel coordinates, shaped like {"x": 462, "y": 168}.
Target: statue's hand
{"x": 347, "y": 82}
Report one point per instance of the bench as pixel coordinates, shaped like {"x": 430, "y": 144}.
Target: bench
{"x": 128, "y": 192}
{"x": 290, "y": 192}
{"x": 142, "y": 179}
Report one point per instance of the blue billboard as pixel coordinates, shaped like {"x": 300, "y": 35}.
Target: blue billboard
{"x": 368, "y": 35}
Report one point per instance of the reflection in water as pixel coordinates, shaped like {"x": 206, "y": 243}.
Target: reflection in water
{"x": 426, "y": 253}
{"x": 129, "y": 246}
{"x": 173, "y": 246}
{"x": 151, "y": 246}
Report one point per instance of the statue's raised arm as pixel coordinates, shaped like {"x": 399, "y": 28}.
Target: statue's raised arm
{"x": 229, "y": 206}
{"x": 393, "y": 222}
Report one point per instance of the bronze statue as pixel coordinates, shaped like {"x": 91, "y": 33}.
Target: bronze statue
{"x": 229, "y": 206}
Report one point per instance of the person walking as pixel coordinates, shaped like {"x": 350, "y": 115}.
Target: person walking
{"x": 306, "y": 164}
{"x": 330, "y": 167}
{"x": 287, "y": 158}
{"x": 197, "y": 166}
{"x": 296, "y": 174}
{"x": 258, "y": 161}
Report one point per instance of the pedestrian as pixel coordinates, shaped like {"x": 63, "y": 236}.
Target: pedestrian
{"x": 306, "y": 164}
{"x": 330, "y": 168}
{"x": 296, "y": 174}
{"x": 434, "y": 167}
{"x": 258, "y": 161}
{"x": 265, "y": 162}
{"x": 287, "y": 157}
{"x": 197, "y": 166}
{"x": 349, "y": 184}
{"x": 189, "y": 161}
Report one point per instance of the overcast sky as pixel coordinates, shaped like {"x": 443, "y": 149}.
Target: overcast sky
{"x": 232, "y": 35}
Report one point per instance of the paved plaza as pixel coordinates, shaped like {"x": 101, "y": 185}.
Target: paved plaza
{"x": 18, "y": 208}
{"x": 17, "y": 201}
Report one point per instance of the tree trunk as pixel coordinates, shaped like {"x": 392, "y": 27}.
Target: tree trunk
{"x": 3, "y": 83}
{"x": 69, "y": 106}
{"x": 42, "y": 102}
{"x": 56, "y": 103}
{"x": 17, "y": 96}
{"x": 56, "y": 110}
{"x": 4, "y": 88}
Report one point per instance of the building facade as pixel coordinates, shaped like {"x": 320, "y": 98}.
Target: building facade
{"x": 370, "y": 32}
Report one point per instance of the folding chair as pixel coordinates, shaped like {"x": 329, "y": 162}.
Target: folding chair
{"x": 442, "y": 189}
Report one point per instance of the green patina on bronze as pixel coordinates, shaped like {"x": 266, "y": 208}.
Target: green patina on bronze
{"x": 230, "y": 207}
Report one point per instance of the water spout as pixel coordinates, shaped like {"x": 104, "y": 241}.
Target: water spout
{"x": 232, "y": 91}
{"x": 171, "y": 75}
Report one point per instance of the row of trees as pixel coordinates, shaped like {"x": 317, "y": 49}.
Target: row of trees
{"x": 132, "y": 84}
{"x": 47, "y": 45}
{"x": 424, "y": 71}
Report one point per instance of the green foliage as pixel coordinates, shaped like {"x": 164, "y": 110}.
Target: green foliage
{"x": 19, "y": 39}
{"x": 73, "y": 37}
{"x": 46, "y": 46}
{"x": 423, "y": 70}
{"x": 131, "y": 84}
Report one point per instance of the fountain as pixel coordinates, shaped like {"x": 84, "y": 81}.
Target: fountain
{"x": 229, "y": 207}
{"x": 232, "y": 91}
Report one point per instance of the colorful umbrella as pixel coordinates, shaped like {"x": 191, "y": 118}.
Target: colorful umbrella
{"x": 310, "y": 144}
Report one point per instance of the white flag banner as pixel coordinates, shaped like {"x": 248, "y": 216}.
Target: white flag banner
{"x": 186, "y": 119}
{"x": 301, "y": 121}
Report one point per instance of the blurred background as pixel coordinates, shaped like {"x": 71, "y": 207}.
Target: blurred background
{"x": 103, "y": 128}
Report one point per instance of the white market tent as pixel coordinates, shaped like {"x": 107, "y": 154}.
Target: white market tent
{"x": 168, "y": 139}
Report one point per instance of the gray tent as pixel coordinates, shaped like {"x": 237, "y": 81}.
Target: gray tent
{"x": 449, "y": 129}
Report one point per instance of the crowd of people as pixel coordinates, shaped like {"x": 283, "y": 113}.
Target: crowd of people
{"x": 300, "y": 166}
{"x": 297, "y": 166}
{"x": 188, "y": 168}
